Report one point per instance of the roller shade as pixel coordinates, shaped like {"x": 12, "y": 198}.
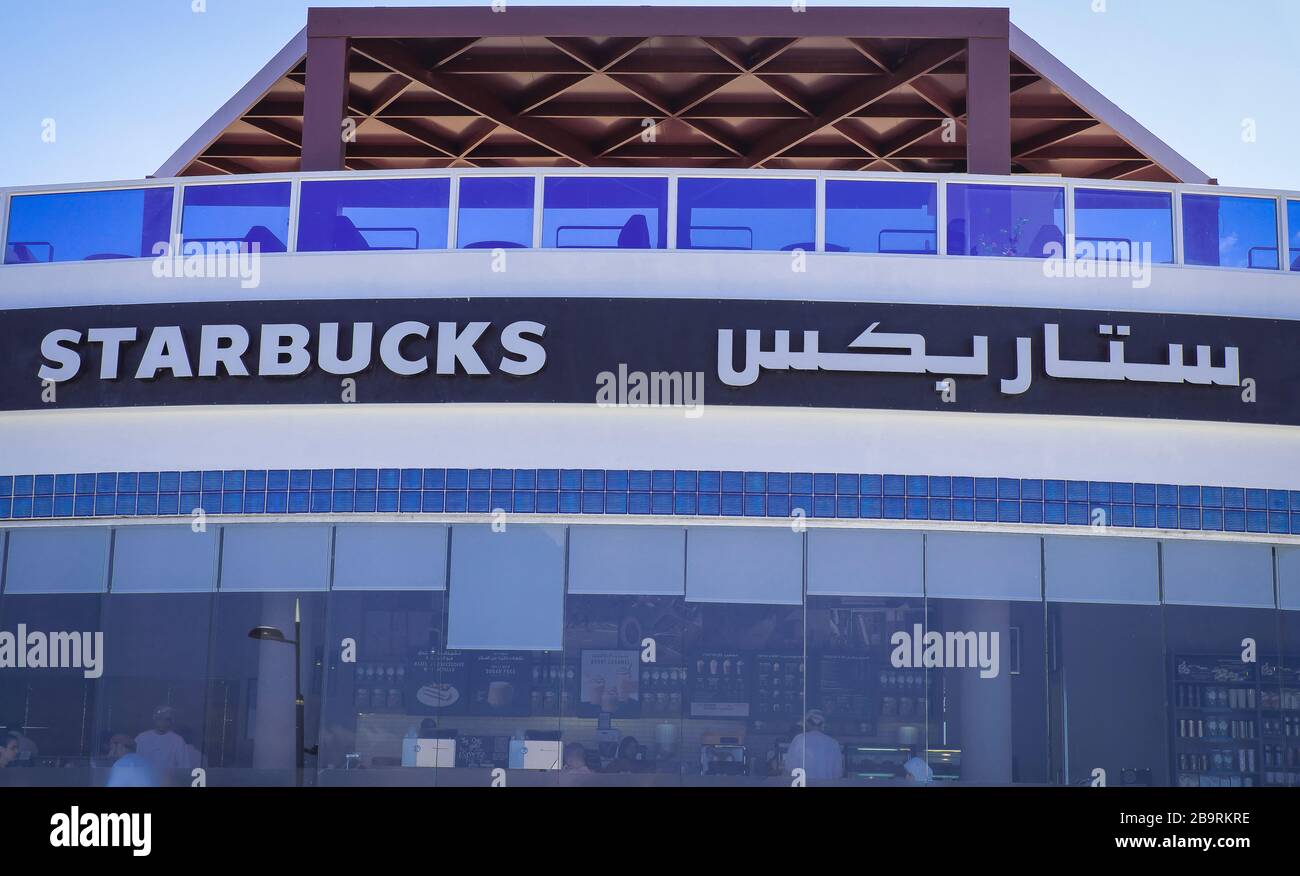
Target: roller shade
{"x": 274, "y": 556}
{"x": 390, "y": 556}
{"x": 979, "y": 565}
{"x": 507, "y": 589}
{"x": 164, "y": 559}
{"x": 744, "y": 565}
{"x": 865, "y": 562}
{"x": 627, "y": 560}
{"x": 58, "y": 559}
{"x": 1218, "y": 573}
{"x": 1095, "y": 569}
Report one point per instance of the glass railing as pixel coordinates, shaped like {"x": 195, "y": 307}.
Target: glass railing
{"x": 590, "y": 209}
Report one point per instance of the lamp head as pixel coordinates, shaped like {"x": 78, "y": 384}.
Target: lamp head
{"x": 267, "y": 634}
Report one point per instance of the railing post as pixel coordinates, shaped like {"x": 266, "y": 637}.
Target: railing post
{"x": 325, "y": 103}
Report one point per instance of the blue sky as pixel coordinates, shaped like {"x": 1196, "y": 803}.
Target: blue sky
{"x": 1192, "y": 71}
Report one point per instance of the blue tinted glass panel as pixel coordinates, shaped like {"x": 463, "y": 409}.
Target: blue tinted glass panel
{"x": 368, "y": 214}
{"x": 1230, "y": 232}
{"x": 495, "y": 213}
{"x": 586, "y": 212}
{"x": 890, "y": 217}
{"x": 1293, "y": 226}
{"x": 87, "y": 226}
{"x": 746, "y": 214}
{"x": 244, "y": 213}
{"x": 1007, "y": 221}
{"x": 1113, "y": 225}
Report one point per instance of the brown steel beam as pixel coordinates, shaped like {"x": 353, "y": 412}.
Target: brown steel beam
{"x": 481, "y": 100}
{"x": 651, "y": 21}
{"x": 851, "y": 101}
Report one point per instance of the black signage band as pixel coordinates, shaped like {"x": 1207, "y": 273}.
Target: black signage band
{"x": 634, "y": 352}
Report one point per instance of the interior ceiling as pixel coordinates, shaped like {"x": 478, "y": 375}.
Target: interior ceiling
{"x": 828, "y": 103}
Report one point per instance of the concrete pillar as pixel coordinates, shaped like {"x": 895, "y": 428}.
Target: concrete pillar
{"x": 273, "y": 727}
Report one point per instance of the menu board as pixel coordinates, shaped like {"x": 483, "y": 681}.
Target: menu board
{"x": 778, "y": 687}
{"x": 610, "y": 683}
{"x": 845, "y": 687}
{"x": 501, "y": 682}
{"x": 483, "y": 752}
{"x": 719, "y": 684}
{"x": 437, "y": 682}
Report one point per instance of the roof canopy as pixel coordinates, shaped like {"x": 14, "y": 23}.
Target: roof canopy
{"x": 920, "y": 90}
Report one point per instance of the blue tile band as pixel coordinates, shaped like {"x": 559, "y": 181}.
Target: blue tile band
{"x": 660, "y": 492}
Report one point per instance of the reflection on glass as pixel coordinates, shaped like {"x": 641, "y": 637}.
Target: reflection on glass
{"x": 51, "y": 710}
{"x": 1230, "y": 232}
{"x": 373, "y": 214}
{"x": 151, "y": 711}
{"x": 1226, "y": 716}
{"x": 622, "y": 719}
{"x": 601, "y": 213}
{"x": 380, "y": 724}
{"x": 746, "y": 214}
{"x": 988, "y": 724}
{"x": 1006, "y": 221}
{"x": 1110, "y": 692}
{"x": 251, "y": 720}
{"x": 889, "y": 217}
{"x": 495, "y": 213}
{"x": 744, "y": 693}
{"x": 873, "y": 709}
{"x": 88, "y": 226}
{"x": 251, "y": 216}
{"x": 1116, "y": 225}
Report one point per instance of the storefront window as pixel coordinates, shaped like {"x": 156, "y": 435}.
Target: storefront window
{"x": 251, "y": 715}
{"x": 865, "y": 587}
{"x": 746, "y": 214}
{"x": 1281, "y": 728}
{"x": 505, "y": 631}
{"x": 1230, "y": 232}
{"x": 1106, "y": 661}
{"x": 624, "y": 646}
{"x": 51, "y": 709}
{"x": 745, "y": 660}
{"x": 89, "y": 226}
{"x": 874, "y": 216}
{"x": 495, "y": 213}
{"x": 251, "y": 216}
{"x": 1006, "y": 221}
{"x": 1116, "y": 225}
{"x": 605, "y": 213}
{"x": 373, "y": 214}
{"x": 988, "y": 720}
{"x": 1223, "y": 645}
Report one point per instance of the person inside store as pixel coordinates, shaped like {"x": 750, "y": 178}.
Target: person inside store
{"x": 162, "y": 748}
{"x": 626, "y": 759}
{"x": 9, "y": 751}
{"x": 129, "y": 769}
{"x": 915, "y": 769}
{"x": 815, "y": 752}
{"x": 575, "y": 758}
{"x": 27, "y": 749}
